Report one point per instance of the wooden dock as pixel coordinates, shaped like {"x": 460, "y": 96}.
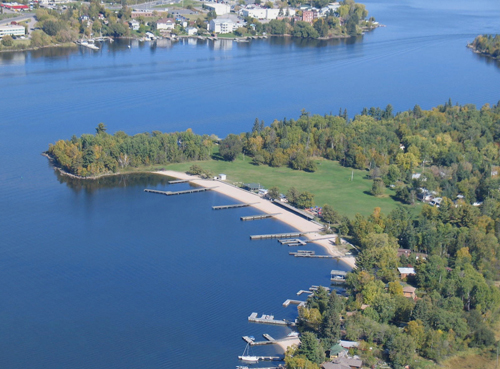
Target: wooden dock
{"x": 258, "y": 217}
{"x": 234, "y": 206}
{"x": 277, "y": 235}
{"x": 171, "y": 193}
{"x": 179, "y": 181}
{"x": 311, "y": 254}
{"x": 266, "y": 319}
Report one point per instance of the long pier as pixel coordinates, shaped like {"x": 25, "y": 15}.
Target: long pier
{"x": 266, "y": 358}
{"x": 171, "y": 193}
{"x": 277, "y": 235}
{"x": 269, "y": 340}
{"x": 258, "y": 217}
{"x": 220, "y": 207}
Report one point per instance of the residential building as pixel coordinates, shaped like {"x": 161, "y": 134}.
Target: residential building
{"x": 307, "y": 16}
{"x": 165, "y": 24}
{"x": 141, "y": 13}
{"x": 405, "y": 272}
{"x": 409, "y": 292}
{"x": 222, "y": 25}
{"x": 11, "y": 30}
{"x": 134, "y": 25}
{"x": 191, "y": 31}
{"x": 219, "y": 9}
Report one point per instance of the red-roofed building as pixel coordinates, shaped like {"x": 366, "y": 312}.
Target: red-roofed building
{"x": 15, "y": 6}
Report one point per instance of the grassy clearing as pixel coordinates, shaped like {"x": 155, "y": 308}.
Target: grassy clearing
{"x": 471, "y": 359}
{"x": 331, "y": 183}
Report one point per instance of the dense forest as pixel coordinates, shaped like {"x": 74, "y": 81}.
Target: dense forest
{"x": 102, "y": 153}
{"x": 487, "y": 44}
{"x": 455, "y": 304}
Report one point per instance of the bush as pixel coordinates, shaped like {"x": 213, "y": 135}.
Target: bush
{"x": 7, "y": 41}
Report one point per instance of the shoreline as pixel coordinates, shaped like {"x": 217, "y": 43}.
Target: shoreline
{"x": 475, "y": 50}
{"x": 295, "y": 221}
{"x": 236, "y": 193}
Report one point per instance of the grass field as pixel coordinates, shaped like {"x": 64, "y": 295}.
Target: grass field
{"x": 331, "y": 183}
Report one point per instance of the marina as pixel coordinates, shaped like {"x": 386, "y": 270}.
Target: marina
{"x": 258, "y": 217}
{"x": 171, "y": 193}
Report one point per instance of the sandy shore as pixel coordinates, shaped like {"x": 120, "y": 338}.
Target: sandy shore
{"x": 266, "y": 206}
{"x": 285, "y": 344}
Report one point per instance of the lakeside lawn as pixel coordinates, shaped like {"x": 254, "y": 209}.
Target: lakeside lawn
{"x": 331, "y": 183}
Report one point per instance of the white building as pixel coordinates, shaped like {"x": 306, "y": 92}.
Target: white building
{"x": 222, "y": 25}
{"x": 134, "y": 25}
{"x": 219, "y": 9}
{"x": 261, "y": 13}
{"x": 12, "y": 31}
{"x": 165, "y": 24}
{"x": 191, "y": 31}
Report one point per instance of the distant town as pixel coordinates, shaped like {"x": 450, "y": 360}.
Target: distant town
{"x": 47, "y": 23}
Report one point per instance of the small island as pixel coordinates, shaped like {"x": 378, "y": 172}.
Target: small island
{"x": 488, "y": 45}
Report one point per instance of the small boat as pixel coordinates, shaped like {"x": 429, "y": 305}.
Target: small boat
{"x": 247, "y": 357}
{"x": 252, "y": 338}
{"x": 293, "y": 334}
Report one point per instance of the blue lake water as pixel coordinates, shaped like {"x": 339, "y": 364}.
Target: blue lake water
{"x": 103, "y": 275}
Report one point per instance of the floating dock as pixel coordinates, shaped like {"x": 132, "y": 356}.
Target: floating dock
{"x": 266, "y": 319}
{"x": 179, "y": 181}
{"x": 338, "y": 276}
{"x": 258, "y": 217}
{"x": 171, "y": 193}
{"x": 292, "y": 242}
{"x": 277, "y": 235}
{"x": 293, "y": 302}
{"x": 234, "y": 206}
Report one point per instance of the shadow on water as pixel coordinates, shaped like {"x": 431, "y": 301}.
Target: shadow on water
{"x": 307, "y": 42}
{"x": 121, "y": 180}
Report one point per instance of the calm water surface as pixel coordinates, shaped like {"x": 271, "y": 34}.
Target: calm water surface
{"x": 102, "y": 275}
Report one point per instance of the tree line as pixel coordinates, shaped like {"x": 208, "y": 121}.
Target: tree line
{"x": 102, "y": 153}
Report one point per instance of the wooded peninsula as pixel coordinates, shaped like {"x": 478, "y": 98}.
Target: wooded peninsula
{"x": 488, "y": 45}
{"x": 446, "y": 300}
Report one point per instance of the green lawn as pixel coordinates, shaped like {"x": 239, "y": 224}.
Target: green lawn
{"x": 331, "y": 183}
